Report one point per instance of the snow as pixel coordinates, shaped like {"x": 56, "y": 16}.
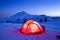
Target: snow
{"x": 10, "y": 31}
{"x": 9, "y": 27}
{"x": 22, "y": 17}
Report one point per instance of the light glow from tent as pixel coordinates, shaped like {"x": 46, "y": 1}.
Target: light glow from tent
{"x": 31, "y": 27}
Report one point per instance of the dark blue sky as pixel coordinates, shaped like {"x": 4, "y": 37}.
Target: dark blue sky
{"x": 47, "y": 7}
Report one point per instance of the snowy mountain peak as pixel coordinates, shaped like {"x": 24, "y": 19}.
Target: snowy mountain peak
{"x": 22, "y": 16}
{"x": 22, "y": 12}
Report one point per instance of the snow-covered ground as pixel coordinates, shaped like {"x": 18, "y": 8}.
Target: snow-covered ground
{"x": 9, "y": 31}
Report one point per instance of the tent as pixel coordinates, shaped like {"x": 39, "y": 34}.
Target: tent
{"x": 31, "y": 27}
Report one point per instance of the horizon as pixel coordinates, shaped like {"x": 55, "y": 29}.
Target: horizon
{"x": 34, "y": 7}
{"x": 28, "y": 14}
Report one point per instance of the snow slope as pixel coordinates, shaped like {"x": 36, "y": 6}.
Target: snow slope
{"x": 9, "y": 31}
{"x": 9, "y": 27}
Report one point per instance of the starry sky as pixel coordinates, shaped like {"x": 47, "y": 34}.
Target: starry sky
{"x": 34, "y": 7}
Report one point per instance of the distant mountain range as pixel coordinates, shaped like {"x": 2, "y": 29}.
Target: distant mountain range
{"x": 22, "y": 17}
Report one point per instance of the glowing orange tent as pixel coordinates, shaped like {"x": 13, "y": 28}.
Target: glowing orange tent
{"x": 31, "y": 27}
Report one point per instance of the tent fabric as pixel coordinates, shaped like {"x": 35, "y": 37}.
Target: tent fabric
{"x": 31, "y": 27}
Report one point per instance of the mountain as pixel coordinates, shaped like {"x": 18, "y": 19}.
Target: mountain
{"x": 19, "y": 17}
{"x": 22, "y": 17}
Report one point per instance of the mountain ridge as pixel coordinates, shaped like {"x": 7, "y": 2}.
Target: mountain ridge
{"x": 22, "y": 17}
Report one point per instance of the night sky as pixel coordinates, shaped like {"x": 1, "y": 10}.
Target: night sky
{"x": 35, "y": 7}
